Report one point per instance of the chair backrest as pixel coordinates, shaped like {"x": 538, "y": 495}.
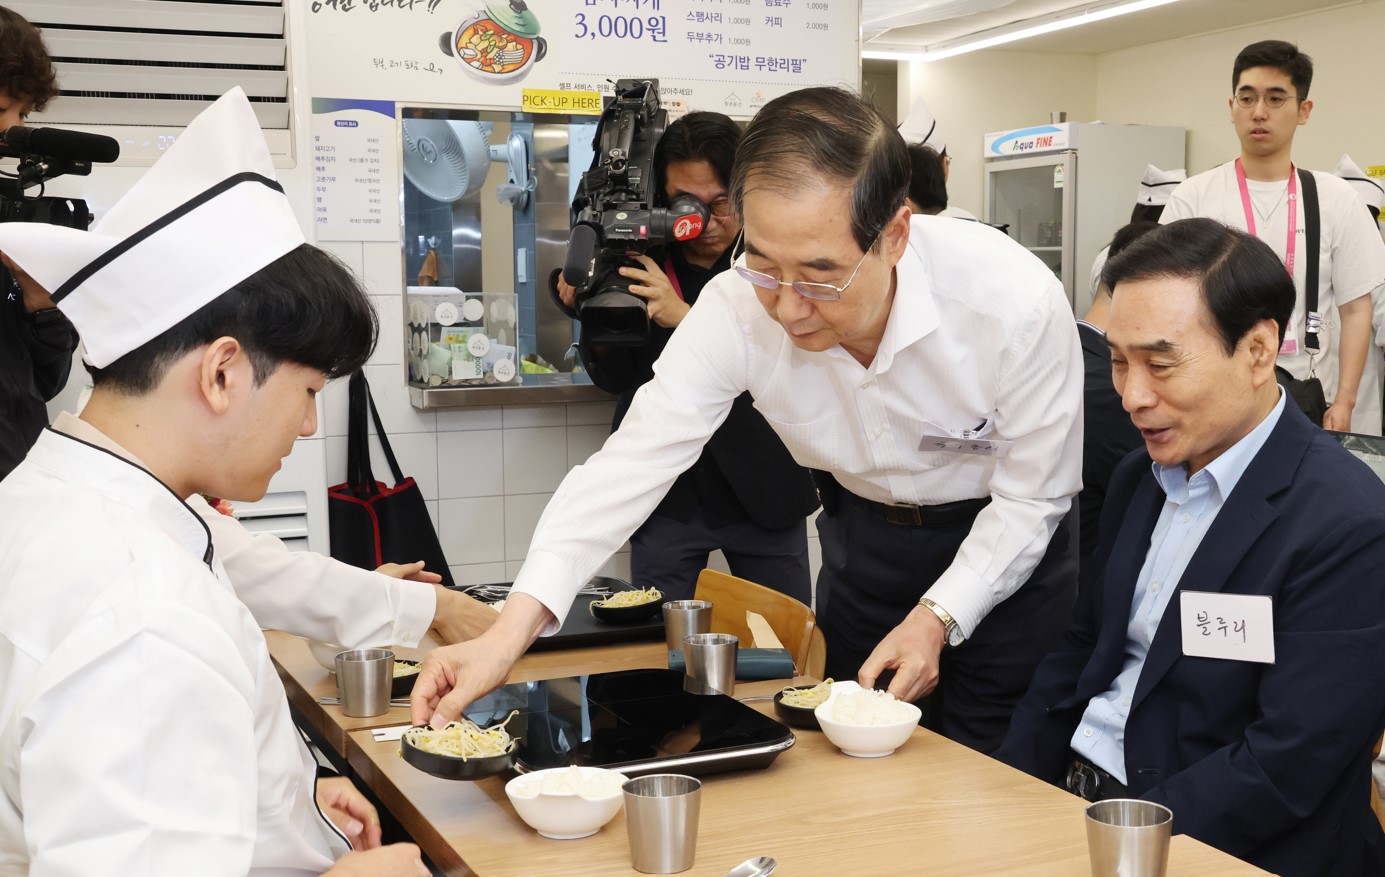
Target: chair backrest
{"x": 793, "y": 623}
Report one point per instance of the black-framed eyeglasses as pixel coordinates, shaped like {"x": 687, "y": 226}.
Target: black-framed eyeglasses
{"x": 1273, "y": 99}
{"x": 806, "y": 288}
{"x": 720, "y": 207}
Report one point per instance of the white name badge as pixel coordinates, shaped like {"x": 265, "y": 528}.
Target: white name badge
{"x": 1232, "y": 627}
{"x": 963, "y": 441}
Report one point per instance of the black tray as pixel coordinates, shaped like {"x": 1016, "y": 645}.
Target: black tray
{"x": 634, "y": 721}
{"x": 581, "y": 628}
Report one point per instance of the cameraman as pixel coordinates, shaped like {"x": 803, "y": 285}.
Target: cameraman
{"x": 36, "y": 340}
{"x": 744, "y": 495}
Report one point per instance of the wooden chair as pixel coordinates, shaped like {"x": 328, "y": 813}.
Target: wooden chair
{"x": 793, "y": 623}
{"x": 1375, "y": 793}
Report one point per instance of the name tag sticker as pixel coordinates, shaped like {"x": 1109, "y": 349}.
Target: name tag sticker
{"x": 1232, "y": 627}
{"x": 963, "y": 441}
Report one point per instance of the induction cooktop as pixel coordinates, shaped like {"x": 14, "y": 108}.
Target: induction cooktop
{"x": 634, "y": 721}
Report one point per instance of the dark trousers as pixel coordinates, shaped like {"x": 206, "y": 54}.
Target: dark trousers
{"x": 668, "y": 554}
{"x": 873, "y": 573}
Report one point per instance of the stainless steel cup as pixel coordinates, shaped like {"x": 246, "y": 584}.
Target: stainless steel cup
{"x": 363, "y": 681}
{"x": 661, "y": 813}
{"x": 710, "y": 658}
{"x": 684, "y": 617}
{"x": 1128, "y": 838}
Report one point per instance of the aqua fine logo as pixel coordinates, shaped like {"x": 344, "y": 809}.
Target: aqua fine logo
{"x": 687, "y": 226}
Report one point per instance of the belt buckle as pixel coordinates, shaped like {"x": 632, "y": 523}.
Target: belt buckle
{"x": 904, "y": 514}
{"x": 1083, "y": 781}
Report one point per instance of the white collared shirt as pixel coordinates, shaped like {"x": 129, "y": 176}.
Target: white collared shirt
{"x": 979, "y": 333}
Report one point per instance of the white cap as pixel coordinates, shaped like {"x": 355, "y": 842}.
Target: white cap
{"x": 207, "y": 215}
{"x": 920, "y": 127}
{"x": 1370, "y": 190}
{"x": 1156, "y": 186}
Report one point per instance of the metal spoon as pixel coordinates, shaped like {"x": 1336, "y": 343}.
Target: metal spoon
{"x": 757, "y": 867}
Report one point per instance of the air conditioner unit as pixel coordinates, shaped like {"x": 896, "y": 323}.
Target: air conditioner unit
{"x": 140, "y": 70}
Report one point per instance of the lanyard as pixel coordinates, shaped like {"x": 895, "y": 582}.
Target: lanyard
{"x": 1292, "y": 243}
{"x": 673, "y": 276}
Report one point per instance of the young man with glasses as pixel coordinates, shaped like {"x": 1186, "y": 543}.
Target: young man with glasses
{"x": 930, "y": 370}
{"x": 1260, "y": 193}
{"x": 745, "y": 495}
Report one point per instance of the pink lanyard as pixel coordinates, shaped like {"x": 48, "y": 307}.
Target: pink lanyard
{"x": 673, "y": 277}
{"x": 1292, "y": 243}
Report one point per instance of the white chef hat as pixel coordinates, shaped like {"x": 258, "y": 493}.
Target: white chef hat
{"x": 920, "y": 127}
{"x": 1371, "y": 191}
{"x": 207, "y": 215}
{"x": 1156, "y": 186}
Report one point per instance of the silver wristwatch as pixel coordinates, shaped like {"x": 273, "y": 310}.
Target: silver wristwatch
{"x": 952, "y": 634}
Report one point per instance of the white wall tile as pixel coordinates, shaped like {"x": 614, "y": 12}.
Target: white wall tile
{"x": 535, "y": 459}
{"x": 349, "y": 252}
{"x": 590, "y": 413}
{"x": 583, "y": 441}
{"x": 383, "y": 267}
{"x": 471, "y": 463}
{"x": 512, "y": 568}
{"x": 417, "y": 453}
{"x": 535, "y": 415}
{"x": 472, "y": 530}
{"x": 389, "y": 348}
{"x": 391, "y": 396}
{"x": 452, "y": 419}
{"x": 521, "y": 516}
{"x": 466, "y": 575}
{"x": 433, "y": 514}
{"x": 617, "y": 567}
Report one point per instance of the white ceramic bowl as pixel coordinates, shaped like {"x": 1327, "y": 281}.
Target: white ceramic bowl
{"x": 564, "y": 815}
{"x": 864, "y": 741}
{"x": 325, "y": 653}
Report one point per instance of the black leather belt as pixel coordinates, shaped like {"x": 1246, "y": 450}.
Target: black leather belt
{"x": 1086, "y": 780}
{"x": 905, "y": 515}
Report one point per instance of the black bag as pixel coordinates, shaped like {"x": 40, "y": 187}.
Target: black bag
{"x": 371, "y": 523}
{"x": 1308, "y": 393}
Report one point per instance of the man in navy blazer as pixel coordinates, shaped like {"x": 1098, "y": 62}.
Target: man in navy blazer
{"x": 1245, "y": 500}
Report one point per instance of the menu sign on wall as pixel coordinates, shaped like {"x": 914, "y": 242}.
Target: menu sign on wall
{"x": 355, "y": 170}
{"x": 731, "y": 56}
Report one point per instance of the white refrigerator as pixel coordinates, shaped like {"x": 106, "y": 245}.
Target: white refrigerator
{"x": 1064, "y": 188}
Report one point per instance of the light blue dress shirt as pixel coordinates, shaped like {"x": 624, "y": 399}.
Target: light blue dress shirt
{"x": 1190, "y": 507}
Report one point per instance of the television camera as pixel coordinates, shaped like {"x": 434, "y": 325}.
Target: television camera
{"x": 614, "y": 215}
{"x": 45, "y": 153}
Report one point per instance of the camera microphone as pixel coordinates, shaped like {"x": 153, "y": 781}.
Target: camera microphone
{"x": 581, "y": 249}
{"x": 60, "y": 143}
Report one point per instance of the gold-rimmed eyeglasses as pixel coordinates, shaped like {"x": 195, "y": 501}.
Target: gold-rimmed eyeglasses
{"x": 805, "y": 288}
{"x": 1273, "y": 99}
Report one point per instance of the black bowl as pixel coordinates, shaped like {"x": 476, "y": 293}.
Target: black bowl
{"x": 403, "y": 686}
{"x": 797, "y": 716}
{"x": 626, "y": 614}
{"x": 451, "y": 767}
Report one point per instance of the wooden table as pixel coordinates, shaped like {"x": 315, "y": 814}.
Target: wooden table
{"x": 934, "y": 807}
{"x": 305, "y": 680}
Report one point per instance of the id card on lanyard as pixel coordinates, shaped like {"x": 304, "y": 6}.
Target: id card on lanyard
{"x": 1290, "y": 346}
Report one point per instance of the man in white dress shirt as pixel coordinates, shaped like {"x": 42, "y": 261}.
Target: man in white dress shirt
{"x": 143, "y": 728}
{"x": 931, "y": 369}
{"x": 1259, "y": 193}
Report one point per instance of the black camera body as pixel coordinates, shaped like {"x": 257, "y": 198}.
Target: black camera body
{"x": 45, "y": 153}
{"x": 614, "y": 215}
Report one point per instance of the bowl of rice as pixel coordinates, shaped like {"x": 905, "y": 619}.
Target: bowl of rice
{"x": 865, "y": 723}
{"x": 567, "y": 802}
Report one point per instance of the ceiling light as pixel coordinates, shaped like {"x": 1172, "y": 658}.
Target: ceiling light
{"x": 1020, "y": 30}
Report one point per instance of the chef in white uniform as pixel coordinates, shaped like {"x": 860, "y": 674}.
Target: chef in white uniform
{"x": 143, "y": 729}
{"x": 921, "y": 127}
